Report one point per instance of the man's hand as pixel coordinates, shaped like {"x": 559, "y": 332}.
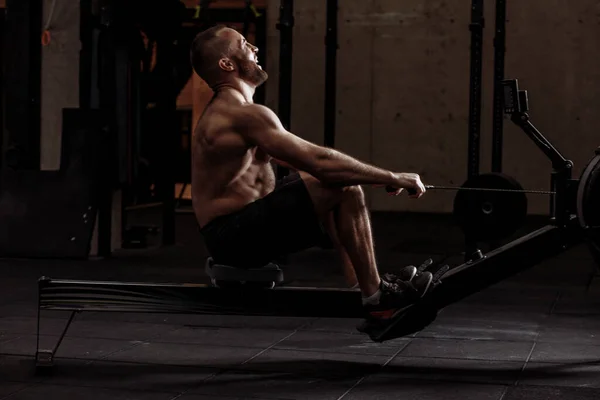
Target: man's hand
{"x": 408, "y": 181}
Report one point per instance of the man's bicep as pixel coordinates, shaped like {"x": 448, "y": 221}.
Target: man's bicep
{"x": 287, "y": 147}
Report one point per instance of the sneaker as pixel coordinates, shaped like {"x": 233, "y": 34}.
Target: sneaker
{"x": 397, "y": 295}
{"x": 406, "y": 275}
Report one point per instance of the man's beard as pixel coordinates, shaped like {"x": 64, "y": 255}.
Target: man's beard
{"x": 250, "y": 72}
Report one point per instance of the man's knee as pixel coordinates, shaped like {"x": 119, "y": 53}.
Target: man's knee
{"x": 355, "y": 191}
{"x": 326, "y": 197}
{"x": 337, "y": 194}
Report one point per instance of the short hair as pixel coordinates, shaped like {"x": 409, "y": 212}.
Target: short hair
{"x": 206, "y": 50}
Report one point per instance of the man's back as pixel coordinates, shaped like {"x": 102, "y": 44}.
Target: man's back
{"x": 227, "y": 172}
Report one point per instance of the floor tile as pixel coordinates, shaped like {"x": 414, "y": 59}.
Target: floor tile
{"x": 340, "y": 343}
{"x": 318, "y": 364}
{"x": 25, "y": 310}
{"x": 497, "y": 311}
{"x": 121, "y": 375}
{"x": 468, "y": 349}
{"x": 274, "y": 385}
{"x": 8, "y": 388}
{"x": 70, "y": 347}
{"x": 341, "y": 325}
{"x": 122, "y": 330}
{"x": 577, "y": 303}
{"x": 550, "y": 393}
{"x": 533, "y": 300}
{"x": 565, "y": 352}
{"x": 44, "y": 391}
{"x": 184, "y": 355}
{"x": 213, "y": 397}
{"x": 203, "y": 321}
{"x": 570, "y": 329}
{"x": 7, "y": 337}
{"x": 481, "y": 329}
{"x": 28, "y": 325}
{"x": 384, "y": 386}
{"x": 565, "y": 374}
{"x": 260, "y": 338}
{"x": 18, "y": 369}
{"x": 456, "y": 370}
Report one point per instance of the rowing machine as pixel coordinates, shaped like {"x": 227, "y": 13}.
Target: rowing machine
{"x": 254, "y": 292}
{"x": 461, "y": 281}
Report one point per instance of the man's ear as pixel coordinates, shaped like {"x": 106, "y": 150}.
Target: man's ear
{"x": 226, "y": 65}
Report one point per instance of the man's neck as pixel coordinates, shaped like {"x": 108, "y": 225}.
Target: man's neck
{"x": 239, "y": 90}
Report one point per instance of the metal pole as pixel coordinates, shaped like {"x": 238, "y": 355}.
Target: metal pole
{"x": 498, "y": 116}
{"x": 285, "y": 27}
{"x": 22, "y": 82}
{"x": 331, "y": 47}
{"x": 476, "y": 27}
{"x": 168, "y": 109}
{"x": 475, "y": 88}
{"x": 2, "y": 87}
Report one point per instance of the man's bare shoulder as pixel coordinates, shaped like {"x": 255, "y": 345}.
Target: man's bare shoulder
{"x": 253, "y": 115}
{"x": 218, "y": 129}
{"x": 224, "y": 120}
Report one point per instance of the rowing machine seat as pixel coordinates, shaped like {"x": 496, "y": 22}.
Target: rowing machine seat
{"x": 225, "y": 273}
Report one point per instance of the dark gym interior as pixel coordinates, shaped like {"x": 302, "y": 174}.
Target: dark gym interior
{"x": 105, "y": 290}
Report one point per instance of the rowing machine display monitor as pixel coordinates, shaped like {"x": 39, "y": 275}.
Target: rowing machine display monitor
{"x": 515, "y": 100}
{"x": 511, "y": 97}
{"x": 523, "y": 100}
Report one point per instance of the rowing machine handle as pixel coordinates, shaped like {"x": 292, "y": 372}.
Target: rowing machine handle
{"x": 391, "y": 189}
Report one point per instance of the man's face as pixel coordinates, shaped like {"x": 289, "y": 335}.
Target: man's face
{"x": 245, "y": 57}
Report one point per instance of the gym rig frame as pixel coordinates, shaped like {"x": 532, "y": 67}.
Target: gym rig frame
{"x": 562, "y": 232}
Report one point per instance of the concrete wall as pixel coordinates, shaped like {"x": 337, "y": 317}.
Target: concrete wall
{"x": 60, "y": 75}
{"x": 403, "y": 79}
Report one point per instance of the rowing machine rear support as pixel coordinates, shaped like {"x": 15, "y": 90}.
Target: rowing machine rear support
{"x": 78, "y": 296}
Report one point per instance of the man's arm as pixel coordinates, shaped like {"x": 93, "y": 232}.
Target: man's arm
{"x": 263, "y": 128}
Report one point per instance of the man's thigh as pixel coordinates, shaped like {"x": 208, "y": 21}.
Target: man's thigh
{"x": 323, "y": 197}
{"x": 281, "y": 223}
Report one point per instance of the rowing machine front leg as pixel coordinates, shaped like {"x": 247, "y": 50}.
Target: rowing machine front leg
{"x": 503, "y": 263}
{"x": 44, "y": 358}
{"x": 478, "y": 274}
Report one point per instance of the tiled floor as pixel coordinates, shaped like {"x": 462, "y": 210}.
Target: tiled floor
{"x": 526, "y": 338}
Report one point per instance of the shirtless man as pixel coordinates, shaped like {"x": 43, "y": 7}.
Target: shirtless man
{"x": 247, "y": 219}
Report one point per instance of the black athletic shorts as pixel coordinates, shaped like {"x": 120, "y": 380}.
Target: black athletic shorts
{"x": 281, "y": 223}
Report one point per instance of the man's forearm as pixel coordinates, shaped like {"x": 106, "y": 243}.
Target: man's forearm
{"x": 337, "y": 168}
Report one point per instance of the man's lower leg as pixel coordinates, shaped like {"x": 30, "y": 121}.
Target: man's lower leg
{"x": 354, "y": 231}
{"x": 347, "y": 267}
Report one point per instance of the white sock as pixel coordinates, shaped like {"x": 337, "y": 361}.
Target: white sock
{"x": 372, "y": 299}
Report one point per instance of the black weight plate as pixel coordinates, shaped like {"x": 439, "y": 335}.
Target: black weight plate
{"x": 490, "y": 215}
{"x": 588, "y": 203}
{"x": 595, "y": 250}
